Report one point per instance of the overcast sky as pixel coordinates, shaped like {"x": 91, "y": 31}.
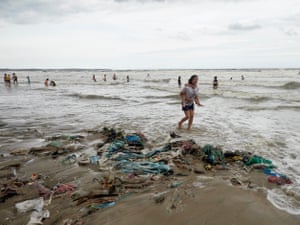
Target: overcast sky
{"x": 149, "y": 34}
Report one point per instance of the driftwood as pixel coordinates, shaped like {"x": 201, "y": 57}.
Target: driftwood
{"x": 20, "y": 152}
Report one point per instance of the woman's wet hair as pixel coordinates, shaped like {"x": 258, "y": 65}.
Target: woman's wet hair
{"x": 192, "y": 78}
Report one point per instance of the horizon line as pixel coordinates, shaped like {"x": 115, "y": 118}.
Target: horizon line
{"x": 147, "y": 69}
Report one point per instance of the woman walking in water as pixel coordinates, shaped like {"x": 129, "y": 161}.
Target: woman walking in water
{"x": 189, "y": 96}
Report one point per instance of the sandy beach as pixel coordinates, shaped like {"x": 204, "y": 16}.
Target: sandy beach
{"x": 192, "y": 194}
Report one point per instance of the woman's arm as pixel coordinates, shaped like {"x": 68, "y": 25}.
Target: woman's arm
{"x": 197, "y": 101}
{"x": 183, "y": 97}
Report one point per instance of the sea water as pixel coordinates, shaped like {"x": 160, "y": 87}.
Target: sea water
{"x": 259, "y": 114}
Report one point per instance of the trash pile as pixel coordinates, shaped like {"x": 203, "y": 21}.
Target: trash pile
{"x": 125, "y": 165}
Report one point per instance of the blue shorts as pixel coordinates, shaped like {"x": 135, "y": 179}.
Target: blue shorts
{"x": 188, "y": 107}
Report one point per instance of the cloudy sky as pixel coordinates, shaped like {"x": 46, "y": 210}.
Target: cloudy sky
{"x": 149, "y": 34}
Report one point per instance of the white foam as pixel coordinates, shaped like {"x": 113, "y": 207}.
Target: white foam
{"x": 284, "y": 202}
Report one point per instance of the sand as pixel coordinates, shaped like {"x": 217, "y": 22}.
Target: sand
{"x": 186, "y": 197}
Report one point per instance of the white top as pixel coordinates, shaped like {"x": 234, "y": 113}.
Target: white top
{"x": 190, "y": 93}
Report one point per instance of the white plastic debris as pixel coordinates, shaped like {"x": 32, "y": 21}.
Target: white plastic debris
{"x": 35, "y": 205}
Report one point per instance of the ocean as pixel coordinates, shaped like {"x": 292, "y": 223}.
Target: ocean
{"x": 259, "y": 114}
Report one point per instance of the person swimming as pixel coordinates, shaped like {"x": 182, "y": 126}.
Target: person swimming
{"x": 52, "y": 83}
{"x": 15, "y": 78}
{"x": 179, "y": 81}
{"x": 46, "y": 82}
{"x": 215, "y": 83}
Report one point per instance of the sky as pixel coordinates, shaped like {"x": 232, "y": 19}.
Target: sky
{"x": 150, "y": 34}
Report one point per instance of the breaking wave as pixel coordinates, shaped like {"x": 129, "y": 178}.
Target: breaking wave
{"x": 2, "y": 124}
{"x": 284, "y": 202}
{"x": 95, "y": 97}
{"x": 259, "y": 99}
{"x": 156, "y": 88}
{"x": 237, "y": 95}
{"x": 291, "y": 85}
{"x": 259, "y": 108}
{"x": 158, "y": 81}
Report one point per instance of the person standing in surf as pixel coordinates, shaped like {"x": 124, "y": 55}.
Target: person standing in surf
{"x": 179, "y": 81}
{"x": 94, "y": 78}
{"x": 46, "y": 82}
{"x": 215, "y": 83}
{"x": 189, "y": 96}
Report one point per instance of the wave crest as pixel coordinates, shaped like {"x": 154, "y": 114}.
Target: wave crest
{"x": 158, "y": 81}
{"x": 259, "y": 108}
{"x": 291, "y": 85}
{"x": 284, "y": 202}
{"x": 97, "y": 97}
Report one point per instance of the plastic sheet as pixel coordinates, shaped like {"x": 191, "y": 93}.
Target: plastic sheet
{"x": 35, "y": 205}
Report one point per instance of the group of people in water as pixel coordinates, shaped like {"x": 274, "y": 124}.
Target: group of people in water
{"x": 215, "y": 83}
{"x": 52, "y": 83}
{"x": 114, "y": 77}
{"x": 8, "y": 79}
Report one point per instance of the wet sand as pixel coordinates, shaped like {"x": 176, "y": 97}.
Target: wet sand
{"x": 212, "y": 205}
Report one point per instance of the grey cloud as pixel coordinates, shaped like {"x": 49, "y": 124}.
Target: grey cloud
{"x": 291, "y": 32}
{"x": 289, "y": 25}
{"x": 242, "y": 27}
{"x": 293, "y": 19}
{"x": 37, "y": 11}
{"x": 181, "y": 36}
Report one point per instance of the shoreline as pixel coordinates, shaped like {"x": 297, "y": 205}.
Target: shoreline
{"x": 190, "y": 195}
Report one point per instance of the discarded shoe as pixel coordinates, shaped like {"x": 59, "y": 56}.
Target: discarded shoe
{"x": 174, "y": 135}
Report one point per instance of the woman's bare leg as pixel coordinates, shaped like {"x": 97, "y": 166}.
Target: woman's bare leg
{"x": 187, "y": 114}
{"x": 191, "y": 118}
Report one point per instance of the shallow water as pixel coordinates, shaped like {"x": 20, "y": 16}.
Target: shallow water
{"x": 259, "y": 114}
